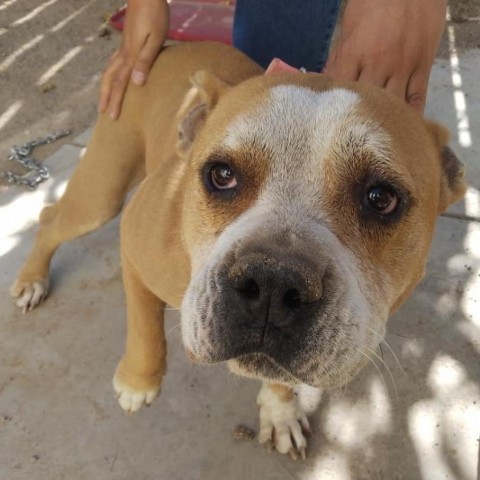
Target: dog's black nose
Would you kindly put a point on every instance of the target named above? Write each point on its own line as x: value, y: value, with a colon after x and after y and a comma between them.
x: 272, y: 289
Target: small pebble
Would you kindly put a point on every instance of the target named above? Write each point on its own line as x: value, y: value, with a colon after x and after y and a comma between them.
x: 242, y: 432
x: 104, y: 33
x: 47, y: 87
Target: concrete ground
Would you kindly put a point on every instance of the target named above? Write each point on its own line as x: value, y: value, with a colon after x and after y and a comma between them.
x: 59, y: 418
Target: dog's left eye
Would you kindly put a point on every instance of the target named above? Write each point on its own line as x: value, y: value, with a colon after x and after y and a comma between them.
x: 222, y: 177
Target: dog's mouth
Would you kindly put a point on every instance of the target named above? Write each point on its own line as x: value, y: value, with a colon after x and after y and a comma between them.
x: 307, y: 356
x: 334, y: 372
x: 258, y: 365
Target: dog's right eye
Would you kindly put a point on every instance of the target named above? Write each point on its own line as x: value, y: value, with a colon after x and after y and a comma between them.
x: 220, y: 177
x: 381, y: 199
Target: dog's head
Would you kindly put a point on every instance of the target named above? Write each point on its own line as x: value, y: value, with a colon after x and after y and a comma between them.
x: 308, y: 214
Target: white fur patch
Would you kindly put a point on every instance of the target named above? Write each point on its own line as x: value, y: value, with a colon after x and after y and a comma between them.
x: 280, y: 421
x: 292, y: 107
x: 132, y: 400
x: 28, y: 296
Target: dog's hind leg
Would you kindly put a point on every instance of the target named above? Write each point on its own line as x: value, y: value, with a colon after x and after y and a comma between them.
x: 113, y: 163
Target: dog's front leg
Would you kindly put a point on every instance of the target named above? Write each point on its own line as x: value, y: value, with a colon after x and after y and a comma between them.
x: 283, y: 423
x: 139, y: 374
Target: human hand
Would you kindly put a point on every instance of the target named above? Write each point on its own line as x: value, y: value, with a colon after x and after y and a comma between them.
x: 391, y: 44
x: 145, y: 30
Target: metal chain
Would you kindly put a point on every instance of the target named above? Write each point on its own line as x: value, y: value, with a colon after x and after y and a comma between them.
x: 21, y: 154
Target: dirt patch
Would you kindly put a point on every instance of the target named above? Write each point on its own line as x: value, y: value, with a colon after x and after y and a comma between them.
x: 465, y: 20
x: 52, y: 53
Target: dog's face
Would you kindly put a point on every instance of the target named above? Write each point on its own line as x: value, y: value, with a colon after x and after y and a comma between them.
x: 308, y: 215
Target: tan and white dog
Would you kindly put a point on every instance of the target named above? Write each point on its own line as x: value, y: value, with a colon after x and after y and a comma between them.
x: 288, y: 215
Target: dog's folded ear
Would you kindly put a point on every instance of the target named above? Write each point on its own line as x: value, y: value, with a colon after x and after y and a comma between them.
x: 197, y: 105
x: 453, y: 185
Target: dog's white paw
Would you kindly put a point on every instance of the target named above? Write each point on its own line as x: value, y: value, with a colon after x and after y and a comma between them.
x: 283, y: 424
x: 132, y: 400
x: 28, y: 295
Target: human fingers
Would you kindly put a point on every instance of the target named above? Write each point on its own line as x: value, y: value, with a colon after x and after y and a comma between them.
x: 145, y: 29
x: 373, y: 75
x: 118, y: 83
x: 416, y: 94
x: 108, y: 77
x: 145, y: 59
x: 105, y: 84
x: 397, y: 84
x: 341, y: 65
x: 125, y: 68
x: 152, y: 46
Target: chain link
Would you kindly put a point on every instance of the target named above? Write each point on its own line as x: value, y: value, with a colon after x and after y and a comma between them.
x: 21, y: 154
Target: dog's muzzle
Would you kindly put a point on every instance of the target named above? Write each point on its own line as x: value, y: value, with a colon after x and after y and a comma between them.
x: 278, y: 305
x: 267, y: 300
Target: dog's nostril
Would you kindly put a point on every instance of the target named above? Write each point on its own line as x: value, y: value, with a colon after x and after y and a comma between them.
x: 291, y: 299
x: 249, y: 289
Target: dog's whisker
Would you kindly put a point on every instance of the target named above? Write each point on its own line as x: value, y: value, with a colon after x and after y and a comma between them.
x: 402, y: 336
x: 384, y: 341
x: 395, y: 357
x: 170, y: 330
x: 375, y: 365
x: 232, y: 376
x: 344, y: 386
x: 386, y: 366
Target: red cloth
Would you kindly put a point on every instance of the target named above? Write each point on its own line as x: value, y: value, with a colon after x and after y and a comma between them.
x: 194, y: 20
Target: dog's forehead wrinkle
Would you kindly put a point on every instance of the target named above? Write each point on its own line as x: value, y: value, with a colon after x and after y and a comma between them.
x: 288, y: 115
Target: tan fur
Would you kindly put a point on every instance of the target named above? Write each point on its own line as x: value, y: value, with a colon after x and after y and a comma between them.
x: 284, y: 393
x: 162, y: 139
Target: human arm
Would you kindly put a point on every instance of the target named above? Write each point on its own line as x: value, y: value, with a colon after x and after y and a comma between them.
x: 145, y: 30
x: 391, y: 44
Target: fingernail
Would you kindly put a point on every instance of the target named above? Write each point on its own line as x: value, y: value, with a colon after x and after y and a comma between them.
x: 113, y: 115
x: 138, y: 78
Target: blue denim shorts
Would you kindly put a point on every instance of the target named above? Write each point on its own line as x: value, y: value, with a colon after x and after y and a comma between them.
x: 296, y: 31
